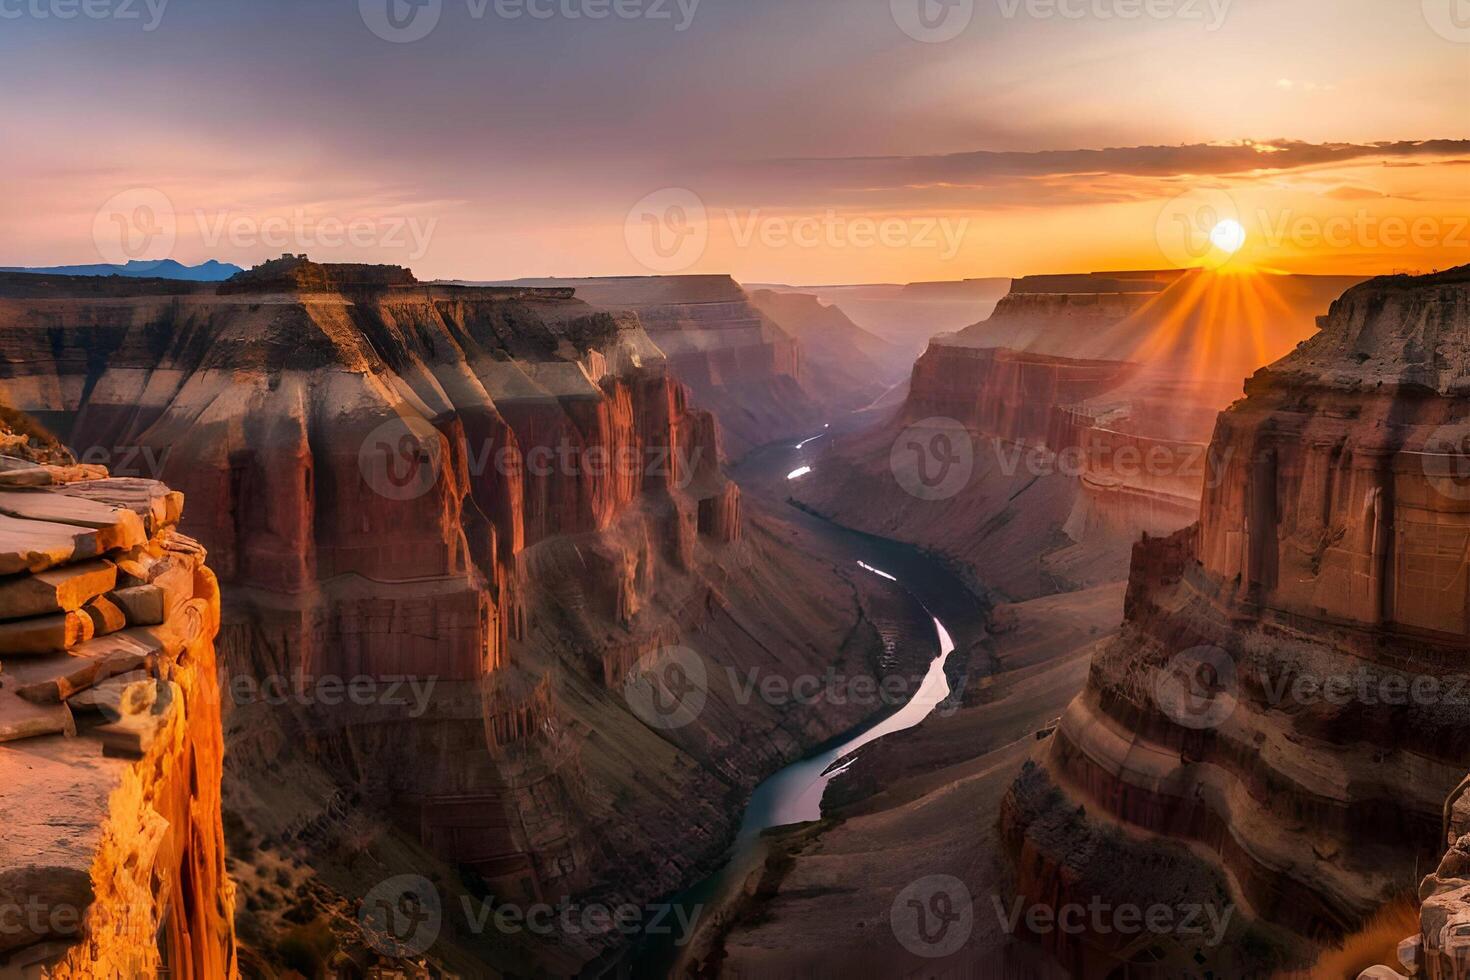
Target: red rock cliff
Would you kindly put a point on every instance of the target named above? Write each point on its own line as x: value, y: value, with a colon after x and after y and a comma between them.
x: 1283, y: 690
x: 483, y: 506
x: 113, y: 856
x: 738, y: 362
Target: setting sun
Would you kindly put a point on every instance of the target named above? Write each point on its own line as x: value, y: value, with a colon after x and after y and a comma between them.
x: 1228, y: 236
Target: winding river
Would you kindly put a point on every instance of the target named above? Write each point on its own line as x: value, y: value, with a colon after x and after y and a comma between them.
x: 793, y: 794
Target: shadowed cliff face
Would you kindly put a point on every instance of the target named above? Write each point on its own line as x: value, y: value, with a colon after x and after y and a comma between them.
x: 452, y: 526
x: 113, y: 858
x: 1285, y: 691
x: 740, y: 364
x: 845, y: 366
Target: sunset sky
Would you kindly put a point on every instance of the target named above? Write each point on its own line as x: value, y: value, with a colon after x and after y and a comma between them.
x: 800, y: 141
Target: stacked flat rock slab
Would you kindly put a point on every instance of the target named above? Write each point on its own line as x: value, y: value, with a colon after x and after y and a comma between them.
x: 91, y: 567
x: 99, y: 601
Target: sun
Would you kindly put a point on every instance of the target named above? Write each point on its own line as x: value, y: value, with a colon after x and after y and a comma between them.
x: 1228, y: 236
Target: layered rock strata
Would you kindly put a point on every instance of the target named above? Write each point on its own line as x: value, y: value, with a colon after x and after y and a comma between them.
x: 738, y: 363
x: 112, y: 862
x: 993, y: 403
x: 1285, y: 692
x: 1097, y: 391
x: 845, y: 366
x: 452, y: 522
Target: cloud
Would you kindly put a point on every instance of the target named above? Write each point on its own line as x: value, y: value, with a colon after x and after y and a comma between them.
x: 1016, y: 179
x: 1350, y: 192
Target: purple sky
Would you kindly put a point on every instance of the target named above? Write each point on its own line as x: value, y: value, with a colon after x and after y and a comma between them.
x: 503, y: 144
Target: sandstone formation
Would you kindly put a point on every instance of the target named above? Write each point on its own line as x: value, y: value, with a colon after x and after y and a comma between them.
x: 1441, y: 948
x: 112, y: 862
x: 845, y: 366
x: 1015, y: 518
x: 738, y: 363
x: 450, y: 522
x: 1088, y: 402
x: 1282, y: 695
x: 907, y: 316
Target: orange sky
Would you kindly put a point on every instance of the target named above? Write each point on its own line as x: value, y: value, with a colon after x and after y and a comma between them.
x: 803, y: 143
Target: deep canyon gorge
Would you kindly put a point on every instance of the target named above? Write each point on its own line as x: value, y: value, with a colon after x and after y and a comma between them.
x: 698, y: 490
x: 347, y: 595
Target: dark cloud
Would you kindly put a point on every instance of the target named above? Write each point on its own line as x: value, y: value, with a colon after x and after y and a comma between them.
x: 982, y: 168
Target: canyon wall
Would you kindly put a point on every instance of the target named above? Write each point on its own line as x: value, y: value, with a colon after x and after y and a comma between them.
x: 1086, y: 403
x: 1284, y: 693
x: 907, y: 316
x: 738, y: 363
x: 845, y: 366
x: 1440, y: 950
x: 113, y: 855
x: 452, y: 525
x: 1011, y: 511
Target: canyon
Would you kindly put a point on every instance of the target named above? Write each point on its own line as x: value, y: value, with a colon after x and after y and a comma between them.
x: 459, y: 531
x: 468, y: 537
x: 768, y: 367
x: 1145, y: 788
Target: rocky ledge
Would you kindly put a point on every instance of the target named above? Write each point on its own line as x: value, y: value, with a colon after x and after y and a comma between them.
x: 112, y: 857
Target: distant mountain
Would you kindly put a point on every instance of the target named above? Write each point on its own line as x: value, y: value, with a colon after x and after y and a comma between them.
x: 210, y: 271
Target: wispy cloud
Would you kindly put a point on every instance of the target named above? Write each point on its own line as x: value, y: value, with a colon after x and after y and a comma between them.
x: 994, y: 179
